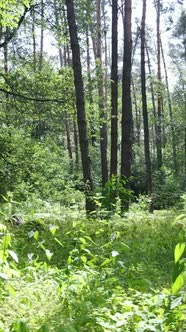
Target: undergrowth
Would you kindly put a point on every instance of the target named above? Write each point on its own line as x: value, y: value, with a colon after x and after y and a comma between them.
x: 63, y: 272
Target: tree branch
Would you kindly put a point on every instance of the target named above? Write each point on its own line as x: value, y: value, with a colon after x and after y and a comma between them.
x: 43, y: 100
x: 13, y: 32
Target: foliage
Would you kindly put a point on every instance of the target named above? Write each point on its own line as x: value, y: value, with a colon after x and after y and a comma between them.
x: 95, y: 275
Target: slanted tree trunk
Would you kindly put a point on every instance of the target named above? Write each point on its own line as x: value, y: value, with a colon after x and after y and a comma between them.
x: 114, y: 91
x: 170, y: 112
x: 103, y: 123
x: 144, y: 103
x: 80, y: 105
x: 126, y: 143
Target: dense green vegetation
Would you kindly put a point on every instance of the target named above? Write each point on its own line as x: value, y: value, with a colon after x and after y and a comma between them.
x: 63, y: 272
x: 92, y: 166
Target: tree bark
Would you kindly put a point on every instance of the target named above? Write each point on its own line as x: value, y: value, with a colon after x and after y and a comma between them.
x: 114, y: 91
x: 80, y: 105
x: 103, y: 123
x: 159, y: 95
x: 126, y: 144
x: 153, y: 100
x: 41, y: 36
x: 174, y: 154
x: 144, y: 103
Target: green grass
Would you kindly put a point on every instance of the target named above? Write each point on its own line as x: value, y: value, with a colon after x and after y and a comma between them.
x: 76, y: 274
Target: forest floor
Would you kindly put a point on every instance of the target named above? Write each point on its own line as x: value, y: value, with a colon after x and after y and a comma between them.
x: 63, y: 272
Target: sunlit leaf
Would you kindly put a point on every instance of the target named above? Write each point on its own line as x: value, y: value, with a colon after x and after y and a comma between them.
x: 178, y: 252
x: 13, y: 255
x: 176, y: 302
x: 179, y: 282
x: 106, y: 262
x: 84, y: 259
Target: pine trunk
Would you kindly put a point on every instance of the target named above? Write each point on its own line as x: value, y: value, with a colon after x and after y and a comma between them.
x: 103, y: 123
x: 114, y: 91
x: 80, y: 105
x: 144, y: 103
x: 126, y: 144
x: 159, y: 95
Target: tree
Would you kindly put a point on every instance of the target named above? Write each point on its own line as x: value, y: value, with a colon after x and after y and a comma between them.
x: 126, y: 143
x: 144, y: 103
x: 80, y: 105
x: 103, y: 122
x: 114, y: 91
x: 159, y: 95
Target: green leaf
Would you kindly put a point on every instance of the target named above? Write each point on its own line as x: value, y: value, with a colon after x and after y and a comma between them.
x: 69, y: 260
x: 19, y: 326
x: 84, y: 259
x: 59, y: 242
x: 180, y: 217
x: 13, y: 255
x: 53, y: 229
x: 178, y: 252
x: 179, y: 282
x: 176, y: 302
x: 36, y: 234
x: 3, y: 275
x: 106, y: 262
x: 83, y: 240
x: 49, y: 254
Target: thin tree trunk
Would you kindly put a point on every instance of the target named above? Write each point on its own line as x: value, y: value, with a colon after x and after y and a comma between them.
x: 144, y: 103
x: 137, y: 115
x: 76, y: 144
x: 114, y: 91
x: 90, y: 90
x: 58, y: 41
x: 67, y: 122
x: 80, y: 105
x: 153, y: 99
x: 159, y: 96
x: 126, y: 144
x: 41, y: 36
x: 170, y: 112
x: 33, y: 38
x: 6, y: 56
x: 103, y: 123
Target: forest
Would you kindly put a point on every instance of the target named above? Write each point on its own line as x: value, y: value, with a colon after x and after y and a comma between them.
x: 92, y: 166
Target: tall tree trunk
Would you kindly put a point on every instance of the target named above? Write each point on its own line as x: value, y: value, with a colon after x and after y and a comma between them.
x: 58, y: 35
x: 60, y: 21
x: 126, y: 143
x: 137, y: 130
x: 76, y: 143
x: 170, y: 112
x: 80, y: 105
x: 153, y: 100
x: 114, y: 91
x: 6, y: 55
x: 144, y: 103
x: 159, y: 96
x: 103, y: 123
x: 90, y: 88
x: 41, y: 36
x: 33, y: 38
